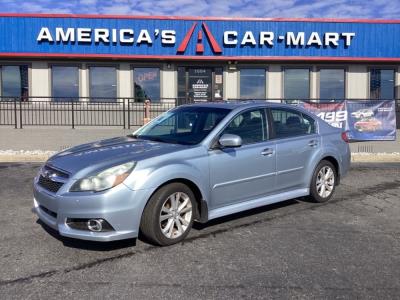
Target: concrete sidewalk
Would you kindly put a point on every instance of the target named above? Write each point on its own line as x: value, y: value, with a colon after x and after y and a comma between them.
x: 38, y: 143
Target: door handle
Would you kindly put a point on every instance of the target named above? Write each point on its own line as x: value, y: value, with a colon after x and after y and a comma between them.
x: 267, y: 152
x: 312, y: 143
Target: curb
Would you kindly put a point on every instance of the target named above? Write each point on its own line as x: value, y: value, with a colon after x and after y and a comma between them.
x: 375, y: 157
x: 41, y: 156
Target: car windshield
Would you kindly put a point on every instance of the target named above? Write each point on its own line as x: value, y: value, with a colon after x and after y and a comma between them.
x: 187, y: 125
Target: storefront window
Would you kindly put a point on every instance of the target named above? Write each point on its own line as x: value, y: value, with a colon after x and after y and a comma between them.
x: 14, y: 81
x: 331, y: 84
x: 297, y: 84
x: 381, y: 85
x: 103, y: 84
x: 65, y: 83
x: 252, y: 83
x: 147, y: 84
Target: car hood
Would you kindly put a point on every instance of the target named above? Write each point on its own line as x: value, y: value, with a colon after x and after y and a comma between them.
x: 106, y: 153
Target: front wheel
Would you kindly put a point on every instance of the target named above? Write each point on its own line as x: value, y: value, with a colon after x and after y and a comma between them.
x: 323, y: 182
x: 168, y: 216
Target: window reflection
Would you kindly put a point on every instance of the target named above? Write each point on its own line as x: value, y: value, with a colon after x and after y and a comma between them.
x: 331, y: 84
x: 381, y: 84
x: 65, y: 83
x: 103, y: 84
x: 252, y: 83
x: 14, y: 81
x: 297, y: 83
x: 288, y: 123
x: 147, y: 84
x: 250, y: 126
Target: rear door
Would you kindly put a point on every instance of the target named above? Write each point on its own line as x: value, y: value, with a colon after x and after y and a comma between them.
x: 246, y: 172
x: 296, y: 143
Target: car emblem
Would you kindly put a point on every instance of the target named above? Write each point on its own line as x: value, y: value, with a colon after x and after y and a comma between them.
x: 48, y: 174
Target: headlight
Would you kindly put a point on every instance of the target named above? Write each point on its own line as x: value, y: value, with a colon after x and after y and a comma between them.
x: 104, y: 180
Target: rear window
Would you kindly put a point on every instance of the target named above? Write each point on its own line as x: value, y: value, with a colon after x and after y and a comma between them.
x: 290, y: 123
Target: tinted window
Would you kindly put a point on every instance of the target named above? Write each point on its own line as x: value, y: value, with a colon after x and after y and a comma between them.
x: 103, y: 83
x: 65, y: 82
x: 381, y: 84
x: 331, y: 84
x: 297, y: 84
x: 250, y: 126
x: 184, y: 125
x: 252, y: 83
x: 288, y: 123
x: 147, y: 84
x: 14, y: 81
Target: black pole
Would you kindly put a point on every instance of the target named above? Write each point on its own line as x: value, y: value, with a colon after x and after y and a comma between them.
x: 123, y: 111
x: 129, y: 114
x: 72, y: 116
x: 15, y: 113
x: 20, y: 112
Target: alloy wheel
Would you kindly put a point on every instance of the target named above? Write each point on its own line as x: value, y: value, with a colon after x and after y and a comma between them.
x: 325, y: 181
x: 175, y: 215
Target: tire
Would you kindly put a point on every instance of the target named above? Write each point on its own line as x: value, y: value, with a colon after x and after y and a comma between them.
x: 162, y: 223
x: 323, y: 191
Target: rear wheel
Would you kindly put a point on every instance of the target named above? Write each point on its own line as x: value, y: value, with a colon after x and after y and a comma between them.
x: 323, y: 182
x: 168, y: 217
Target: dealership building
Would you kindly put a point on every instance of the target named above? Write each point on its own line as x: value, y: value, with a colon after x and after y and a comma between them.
x: 102, y: 58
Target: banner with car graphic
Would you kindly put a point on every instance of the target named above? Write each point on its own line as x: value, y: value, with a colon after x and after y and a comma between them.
x: 366, y: 120
x: 371, y: 120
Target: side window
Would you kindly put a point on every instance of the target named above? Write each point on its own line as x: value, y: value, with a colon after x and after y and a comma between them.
x: 250, y: 126
x: 213, y: 120
x: 289, y: 123
x: 309, y: 124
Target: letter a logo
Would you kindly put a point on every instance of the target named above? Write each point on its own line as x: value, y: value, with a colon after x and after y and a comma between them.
x: 199, y: 46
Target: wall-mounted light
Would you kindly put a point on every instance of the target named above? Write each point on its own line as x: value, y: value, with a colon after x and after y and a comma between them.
x: 232, y: 65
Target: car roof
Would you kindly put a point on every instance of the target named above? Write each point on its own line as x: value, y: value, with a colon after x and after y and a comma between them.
x: 236, y: 104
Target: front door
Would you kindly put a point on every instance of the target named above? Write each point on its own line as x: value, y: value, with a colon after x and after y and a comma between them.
x: 199, y: 84
x: 247, y: 172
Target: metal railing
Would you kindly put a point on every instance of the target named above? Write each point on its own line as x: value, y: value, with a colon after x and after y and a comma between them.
x: 79, y: 112
x: 74, y: 112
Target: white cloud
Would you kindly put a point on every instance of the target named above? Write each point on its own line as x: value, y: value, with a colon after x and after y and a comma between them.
x: 389, y: 9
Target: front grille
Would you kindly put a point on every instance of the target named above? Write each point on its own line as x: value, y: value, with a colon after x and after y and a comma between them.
x: 52, y: 186
x: 48, y: 211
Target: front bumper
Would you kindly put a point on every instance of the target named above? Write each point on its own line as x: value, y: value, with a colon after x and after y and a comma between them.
x: 120, y: 206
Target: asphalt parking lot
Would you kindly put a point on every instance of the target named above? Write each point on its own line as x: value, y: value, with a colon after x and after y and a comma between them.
x: 347, y: 248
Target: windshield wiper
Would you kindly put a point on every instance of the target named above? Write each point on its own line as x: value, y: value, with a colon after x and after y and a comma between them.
x: 134, y: 136
x: 155, y: 139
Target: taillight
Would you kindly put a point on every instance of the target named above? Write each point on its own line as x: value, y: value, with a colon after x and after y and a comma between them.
x: 345, y: 136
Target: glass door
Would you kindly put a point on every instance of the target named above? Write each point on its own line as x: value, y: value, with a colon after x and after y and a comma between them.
x: 199, y: 84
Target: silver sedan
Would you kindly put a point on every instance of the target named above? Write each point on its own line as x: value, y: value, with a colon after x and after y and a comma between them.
x: 193, y: 163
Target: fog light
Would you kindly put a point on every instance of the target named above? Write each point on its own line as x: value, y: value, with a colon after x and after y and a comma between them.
x: 95, y: 225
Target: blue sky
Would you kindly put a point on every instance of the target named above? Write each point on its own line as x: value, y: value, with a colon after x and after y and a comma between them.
x: 374, y: 9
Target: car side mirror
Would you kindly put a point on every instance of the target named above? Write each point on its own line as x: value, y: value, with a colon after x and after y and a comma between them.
x: 230, y: 141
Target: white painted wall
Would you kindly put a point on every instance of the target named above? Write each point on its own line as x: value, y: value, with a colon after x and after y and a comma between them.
x: 124, y: 81
x: 169, y: 85
x: 84, y: 79
x: 40, y: 79
x: 274, y: 81
x: 357, y: 82
x: 231, y: 79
